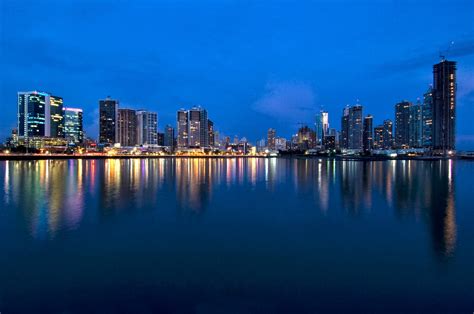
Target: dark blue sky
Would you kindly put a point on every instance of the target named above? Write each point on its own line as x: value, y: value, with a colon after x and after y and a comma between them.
x: 252, y: 64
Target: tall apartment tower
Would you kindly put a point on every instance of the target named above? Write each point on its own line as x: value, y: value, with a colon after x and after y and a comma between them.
x: 368, y: 137
x: 147, y: 128
x: 210, y: 133
x: 416, y: 125
x: 378, y: 137
x: 182, y: 128
x: 427, y: 116
x: 127, y: 127
x: 387, y: 134
x: 40, y: 115
x: 169, y: 137
x: 344, y: 136
x: 321, y: 126
x: 355, y: 127
x: 108, y: 124
x: 444, y: 106
x: 198, y: 129
x: 73, y: 125
x: 402, y: 124
x: 271, y: 135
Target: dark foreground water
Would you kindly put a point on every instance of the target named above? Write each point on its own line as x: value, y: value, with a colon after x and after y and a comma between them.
x: 237, y: 235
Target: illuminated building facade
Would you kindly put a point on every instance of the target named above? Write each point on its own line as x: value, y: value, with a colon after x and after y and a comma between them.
x: 355, y: 127
x: 402, y: 124
x: 427, y: 116
x: 73, y: 125
x: 368, y: 133
x: 40, y: 115
x: 444, y: 106
x: 271, y: 135
x: 182, y: 126
x: 127, y: 127
x: 147, y: 127
x: 56, y: 116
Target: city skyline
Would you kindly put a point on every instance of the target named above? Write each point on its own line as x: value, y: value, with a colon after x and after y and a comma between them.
x: 428, y: 125
x: 241, y: 90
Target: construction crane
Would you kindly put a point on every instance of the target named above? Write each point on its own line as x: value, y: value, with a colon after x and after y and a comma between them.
x: 443, y: 54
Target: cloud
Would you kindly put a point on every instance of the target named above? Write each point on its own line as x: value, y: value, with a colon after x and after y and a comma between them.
x: 422, y: 58
x: 289, y: 101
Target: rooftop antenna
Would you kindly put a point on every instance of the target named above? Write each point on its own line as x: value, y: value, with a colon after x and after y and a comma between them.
x: 442, y: 54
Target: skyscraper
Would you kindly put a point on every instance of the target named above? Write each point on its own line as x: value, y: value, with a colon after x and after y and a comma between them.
x: 127, y: 127
x: 56, y: 114
x: 402, y: 124
x: 108, y: 114
x: 271, y: 135
x: 40, y: 115
x: 321, y: 126
x: 378, y: 137
x: 33, y: 114
x: 416, y: 126
x: 387, y: 134
x: 210, y: 132
x: 368, y: 134
x: 427, y: 113
x: 306, y: 138
x: 344, y: 136
x: 198, y: 128
x: 147, y: 128
x: 355, y: 127
x: 169, y: 137
x: 182, y: 126
x: 73, y: 127
x: 444, y: 106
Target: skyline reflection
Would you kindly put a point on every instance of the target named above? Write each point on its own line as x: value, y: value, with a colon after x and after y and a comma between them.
x: 54, y: 195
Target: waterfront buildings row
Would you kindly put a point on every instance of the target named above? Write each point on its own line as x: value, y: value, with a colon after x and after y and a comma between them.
x: 43, y: 115
x: 428, y: 125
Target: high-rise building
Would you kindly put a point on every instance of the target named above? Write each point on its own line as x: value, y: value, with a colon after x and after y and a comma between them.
x: 344, y: 136
x: 198, y: 128
x: 368, y: 134
x: 387, y: 134
x: 73, y: 125
x: 444, y: 106
x: 355, y: 127
x: 306, y: 138
x: 329, y: 141
x: 40, y: 115
x: 321, y: 126
x: 160, y: 139
x: 271, y: 135
x: 108, y: 125
x: 147, y: 128
x: 57, y: 118
x: 169, y: 137
x: 281, y: 144
x: 378, y: 137
x: 416, y: 126
x: 427, y: 113
x: 182, y: 127
x: 402, y: 124
x: 127, y: 127
x: 210, y: 132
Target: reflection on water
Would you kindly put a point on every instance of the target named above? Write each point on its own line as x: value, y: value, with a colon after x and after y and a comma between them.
x: 54, y: 195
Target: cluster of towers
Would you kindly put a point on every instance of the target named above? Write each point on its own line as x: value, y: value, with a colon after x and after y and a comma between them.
x: 43, y: 115
x: 428, y: 125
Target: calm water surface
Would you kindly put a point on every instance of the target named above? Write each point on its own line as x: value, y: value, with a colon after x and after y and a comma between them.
x: 236, y: 235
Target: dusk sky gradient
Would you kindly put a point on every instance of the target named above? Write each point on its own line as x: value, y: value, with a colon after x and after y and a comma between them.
x: 251, y: 64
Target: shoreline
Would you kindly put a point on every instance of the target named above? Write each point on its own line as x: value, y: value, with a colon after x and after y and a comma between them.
x: 19, y: 157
